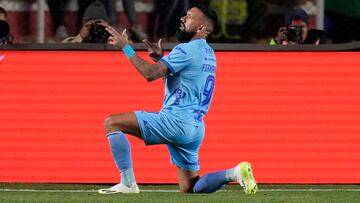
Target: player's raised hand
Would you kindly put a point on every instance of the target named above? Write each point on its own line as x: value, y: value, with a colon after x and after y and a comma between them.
x: 155, y: 51
x: 116, y: 39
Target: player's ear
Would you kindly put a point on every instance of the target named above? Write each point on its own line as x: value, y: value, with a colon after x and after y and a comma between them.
x: 203, y: 30
x: 201, y: 27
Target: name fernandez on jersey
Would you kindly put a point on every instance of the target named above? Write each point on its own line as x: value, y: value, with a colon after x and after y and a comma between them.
x: 209, y: 68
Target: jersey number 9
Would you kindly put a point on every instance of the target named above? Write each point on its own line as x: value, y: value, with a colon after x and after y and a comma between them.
x: 208, y: 90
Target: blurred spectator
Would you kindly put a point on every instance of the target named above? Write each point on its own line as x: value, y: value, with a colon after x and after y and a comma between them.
x: 297, y: 30
x: 94, y: 21
x: 57, y: 8
x: 274, y: 15
x: 5, y: 36
x: 232, y: 15
x: 110, y: 6
x: 343, y: 20
x: 240, y: 20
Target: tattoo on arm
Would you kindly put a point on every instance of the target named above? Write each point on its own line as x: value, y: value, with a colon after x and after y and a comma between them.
x: 149, y: 71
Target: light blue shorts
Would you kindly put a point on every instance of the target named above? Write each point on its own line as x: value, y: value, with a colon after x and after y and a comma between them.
x: 183, y: 140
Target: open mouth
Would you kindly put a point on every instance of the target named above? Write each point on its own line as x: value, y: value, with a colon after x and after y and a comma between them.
x: 182, y: 26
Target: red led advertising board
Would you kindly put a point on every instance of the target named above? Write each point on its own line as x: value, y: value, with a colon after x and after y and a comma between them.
x: 294, y: 116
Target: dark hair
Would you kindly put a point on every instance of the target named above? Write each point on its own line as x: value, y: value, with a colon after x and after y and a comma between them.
x: 2, y: 10
x: 208, y: 12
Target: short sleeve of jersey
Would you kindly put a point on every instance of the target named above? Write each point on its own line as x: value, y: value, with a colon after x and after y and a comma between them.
x: 179, y: 58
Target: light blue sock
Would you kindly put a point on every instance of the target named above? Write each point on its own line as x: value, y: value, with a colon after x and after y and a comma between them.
x: 212, y: 182
x: 230, y: 176
x: 128, y: 177
x: 121, y: 152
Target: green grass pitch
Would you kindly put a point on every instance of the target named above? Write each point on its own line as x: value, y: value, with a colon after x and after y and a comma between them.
x: 10, y: 192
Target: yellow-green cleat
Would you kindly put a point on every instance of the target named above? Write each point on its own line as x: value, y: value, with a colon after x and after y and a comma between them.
x: 245, y: 177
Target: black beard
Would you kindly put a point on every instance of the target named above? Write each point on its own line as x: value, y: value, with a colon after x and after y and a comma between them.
x: 184, y: 36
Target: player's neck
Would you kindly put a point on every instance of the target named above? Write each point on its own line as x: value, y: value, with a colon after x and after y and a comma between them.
x: 198, y: 37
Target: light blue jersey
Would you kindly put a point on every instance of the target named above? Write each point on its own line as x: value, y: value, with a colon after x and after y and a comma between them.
x: 190, y: 85
x: 188, y: 93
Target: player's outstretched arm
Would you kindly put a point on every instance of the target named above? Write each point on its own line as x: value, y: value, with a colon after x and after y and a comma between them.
x: 149, y: 71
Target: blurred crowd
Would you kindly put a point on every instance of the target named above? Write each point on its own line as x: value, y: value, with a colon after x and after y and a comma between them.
x: 241, y: 21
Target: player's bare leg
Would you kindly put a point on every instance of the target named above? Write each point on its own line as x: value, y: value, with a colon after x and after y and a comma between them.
x: 125, y: 122
x: 187, y: 180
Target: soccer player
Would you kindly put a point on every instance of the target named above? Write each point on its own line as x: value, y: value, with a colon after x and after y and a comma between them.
x: 189, y: 74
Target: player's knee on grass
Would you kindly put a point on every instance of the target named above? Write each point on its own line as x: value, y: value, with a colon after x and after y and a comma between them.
x: 186, y: 189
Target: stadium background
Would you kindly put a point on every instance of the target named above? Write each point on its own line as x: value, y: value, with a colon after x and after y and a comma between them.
x: 294, y: 115
x: 244, y: 23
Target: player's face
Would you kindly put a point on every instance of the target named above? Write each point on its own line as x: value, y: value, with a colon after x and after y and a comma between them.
x: 191, y: 21
x: 189, y: 25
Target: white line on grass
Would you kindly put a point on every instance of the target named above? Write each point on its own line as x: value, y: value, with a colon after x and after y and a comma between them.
x: 173, y: 191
